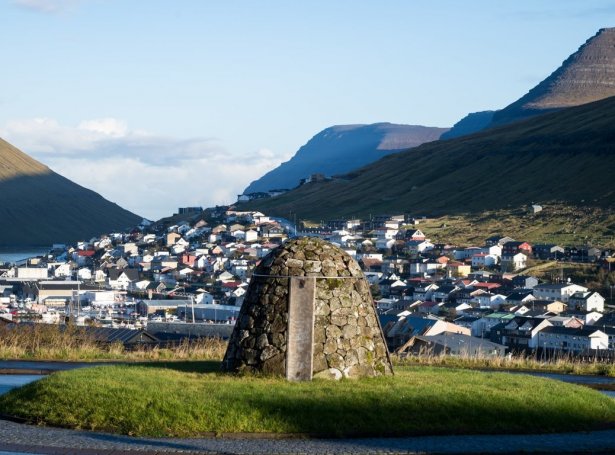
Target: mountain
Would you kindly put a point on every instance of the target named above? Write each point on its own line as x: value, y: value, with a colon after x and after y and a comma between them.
x: 587, y: 75
x: 340, y: 149
x: 40, y: 207
x: 568, y: 156
x: 471, y: 123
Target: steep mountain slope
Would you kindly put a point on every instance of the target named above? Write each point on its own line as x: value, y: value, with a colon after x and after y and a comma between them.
x: 471, y: 123
x: 340, y: 149
x: 40, y: 207
x: 587, y: 75
x: 567, y: 156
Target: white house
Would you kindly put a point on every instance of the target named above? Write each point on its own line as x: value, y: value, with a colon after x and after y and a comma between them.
x: 572, y: 340
x: 63, y: 270
x: 557, y: 291
x: 514, y: 262
x: 251, y: 235
x: 481, y: 260
x: 586, y: 301
x: 466, y: 253
x: 418, y: 246
x: 84, y: 274
x: 384, y: 244
x: 495, y: 250
x: 489, y: 300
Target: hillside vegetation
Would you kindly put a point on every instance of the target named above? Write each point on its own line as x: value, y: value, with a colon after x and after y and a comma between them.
x: 40, y: 207
x: 565, y: 156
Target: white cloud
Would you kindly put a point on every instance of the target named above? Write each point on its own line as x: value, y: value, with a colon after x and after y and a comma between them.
x: 148, y: 174
x: 46, y: 6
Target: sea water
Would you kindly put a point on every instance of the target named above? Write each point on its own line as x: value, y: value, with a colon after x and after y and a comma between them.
x: 16, y: 254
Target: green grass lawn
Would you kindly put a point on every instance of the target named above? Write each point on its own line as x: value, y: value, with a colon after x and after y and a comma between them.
x: 192, y: 398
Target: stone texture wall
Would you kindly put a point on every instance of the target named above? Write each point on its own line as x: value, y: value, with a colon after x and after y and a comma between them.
x: 348, y: 341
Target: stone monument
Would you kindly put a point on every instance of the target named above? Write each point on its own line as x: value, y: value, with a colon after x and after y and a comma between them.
x: 308, y: 312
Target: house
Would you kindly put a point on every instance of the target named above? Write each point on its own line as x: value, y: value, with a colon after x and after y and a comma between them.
x: 456, y: 344
x: 588, y: 317
x: 482, y: 260
x: 566, y: 321
x: 443, y: 292
x: 482, y: 326
x: 522, y: 297
x: 520, y: 333
x: 572, y: 340
x: 547, y: 306
x: 458, y: 269
x: 466, y: 253
x: 557, y: 291
x: 586, y: 301
x: 548, y: 251
x: 424, y: 290
x: 251, y: 235
x: 524, y: 281
x: 123, y: 278
x: 513, y: 262
x: 411, y: 234
x: 498, y: 240
x: 172, y: 238
x: 57, y: 293
x: 400, y: 331
x: 147, y: 307
x: 512, y: 248
x: 489, y: 300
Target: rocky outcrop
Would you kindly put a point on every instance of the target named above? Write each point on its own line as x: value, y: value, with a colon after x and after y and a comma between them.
x: 347, y: 338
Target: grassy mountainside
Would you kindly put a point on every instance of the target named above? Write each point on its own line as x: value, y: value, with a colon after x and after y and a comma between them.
x: 567, y: 156
x: 40, y: 207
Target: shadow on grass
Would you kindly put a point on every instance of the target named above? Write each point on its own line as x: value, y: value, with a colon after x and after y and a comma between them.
x: 185, y: 366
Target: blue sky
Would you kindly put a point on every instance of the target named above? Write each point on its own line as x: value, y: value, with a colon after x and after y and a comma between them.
x: 159, y: 104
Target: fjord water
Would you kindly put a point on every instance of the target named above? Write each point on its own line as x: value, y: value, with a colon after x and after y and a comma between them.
x: 15, y: 254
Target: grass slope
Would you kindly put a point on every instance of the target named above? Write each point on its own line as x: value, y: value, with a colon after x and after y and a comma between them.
x: 40, y: 207
x: 566, y: 156
x: 166, y: 402
x: 557, y: 223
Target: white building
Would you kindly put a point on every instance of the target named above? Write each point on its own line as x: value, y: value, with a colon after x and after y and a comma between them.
x: 586, y: 301
x: 572, y: 340
x: 557, y: 291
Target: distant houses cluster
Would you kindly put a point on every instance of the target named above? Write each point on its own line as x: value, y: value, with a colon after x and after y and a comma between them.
x: 429, y: 295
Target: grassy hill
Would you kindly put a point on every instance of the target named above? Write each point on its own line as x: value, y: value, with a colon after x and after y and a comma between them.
x: 40, y: 207
x: 566, y: 156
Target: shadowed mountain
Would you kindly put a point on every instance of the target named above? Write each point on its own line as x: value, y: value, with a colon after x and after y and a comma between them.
x: 471, y: 123
x: 40, y: 207
x: 342, y: 148
x: 567, y: 156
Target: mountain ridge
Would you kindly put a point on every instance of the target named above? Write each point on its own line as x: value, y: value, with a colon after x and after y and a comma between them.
x: 586, y: 75
x: 566, y: 155
x: 341, y: 148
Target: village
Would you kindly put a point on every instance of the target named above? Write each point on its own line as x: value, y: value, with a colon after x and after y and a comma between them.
x: 168, y: 282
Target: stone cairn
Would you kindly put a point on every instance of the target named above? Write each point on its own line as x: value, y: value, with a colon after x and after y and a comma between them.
x: 308, y: 312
